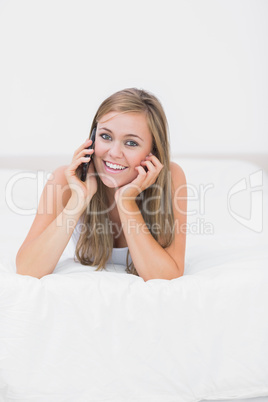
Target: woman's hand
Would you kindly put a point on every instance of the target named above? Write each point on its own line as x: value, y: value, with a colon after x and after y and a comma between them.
x: 144, y: 179
x: 83, y: 190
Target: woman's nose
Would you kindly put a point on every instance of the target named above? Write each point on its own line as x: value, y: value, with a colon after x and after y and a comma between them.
x: 115, y: 150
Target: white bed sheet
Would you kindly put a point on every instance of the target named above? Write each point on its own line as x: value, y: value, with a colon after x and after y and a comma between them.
x: 80, y: 335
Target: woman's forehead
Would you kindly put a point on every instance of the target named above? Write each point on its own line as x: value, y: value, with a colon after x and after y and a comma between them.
x: 122, y: 116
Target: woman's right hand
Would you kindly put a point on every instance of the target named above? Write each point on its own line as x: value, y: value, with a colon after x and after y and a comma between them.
x: 83, y: 190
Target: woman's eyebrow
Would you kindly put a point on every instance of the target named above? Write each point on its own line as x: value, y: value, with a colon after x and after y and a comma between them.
x: 127, y: 135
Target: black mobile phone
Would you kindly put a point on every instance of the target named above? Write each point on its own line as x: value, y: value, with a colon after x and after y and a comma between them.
x: 85, y: 166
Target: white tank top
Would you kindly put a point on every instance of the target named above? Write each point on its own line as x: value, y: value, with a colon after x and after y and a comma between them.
x: 119, y: 255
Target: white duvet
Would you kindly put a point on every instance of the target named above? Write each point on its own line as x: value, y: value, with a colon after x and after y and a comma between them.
x: 80, y: 335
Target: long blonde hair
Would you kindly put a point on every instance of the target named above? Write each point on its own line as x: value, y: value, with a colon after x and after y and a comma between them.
x: 95, y: 246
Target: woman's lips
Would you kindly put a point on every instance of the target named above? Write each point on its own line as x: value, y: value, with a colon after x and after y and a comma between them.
x: 110, y: 170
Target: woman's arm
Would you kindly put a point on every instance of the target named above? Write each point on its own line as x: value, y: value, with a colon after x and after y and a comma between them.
x: 150, y: 259
x: 50, y: 231
x: 62, y: 202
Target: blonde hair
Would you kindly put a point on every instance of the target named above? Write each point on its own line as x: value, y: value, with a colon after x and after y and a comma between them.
x: 94, y: 247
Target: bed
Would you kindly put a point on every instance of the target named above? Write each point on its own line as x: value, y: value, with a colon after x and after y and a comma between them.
x: 83, y: 336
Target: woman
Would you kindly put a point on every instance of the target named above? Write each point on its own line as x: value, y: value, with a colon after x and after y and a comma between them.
x: 133, y: 198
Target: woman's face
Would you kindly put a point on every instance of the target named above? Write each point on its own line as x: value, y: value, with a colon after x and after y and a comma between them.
x: 123, y: 140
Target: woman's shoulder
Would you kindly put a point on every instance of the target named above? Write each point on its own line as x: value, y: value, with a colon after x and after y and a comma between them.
x: 58, y: 180
x: 177, y: 174
x: 58, y: 175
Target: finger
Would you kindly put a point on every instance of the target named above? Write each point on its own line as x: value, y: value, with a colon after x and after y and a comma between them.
x: 141, y: 170
x: 152, y: 169
x: 149, y: 165
x: 74, y: 165
x: 85, y: 152
x: 86, y: 144
x: 155, y: 161
x: 153, y: 158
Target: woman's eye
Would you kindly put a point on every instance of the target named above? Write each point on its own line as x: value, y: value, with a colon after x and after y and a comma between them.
x: 132, y: 143
x: 105, y: 136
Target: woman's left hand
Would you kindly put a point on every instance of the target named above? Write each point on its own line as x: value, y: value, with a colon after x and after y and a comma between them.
x: 144, y: 179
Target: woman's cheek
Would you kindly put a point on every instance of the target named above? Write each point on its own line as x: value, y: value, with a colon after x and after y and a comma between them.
x: 97, y: 148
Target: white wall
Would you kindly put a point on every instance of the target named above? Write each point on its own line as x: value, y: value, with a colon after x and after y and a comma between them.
x: 206, y: 60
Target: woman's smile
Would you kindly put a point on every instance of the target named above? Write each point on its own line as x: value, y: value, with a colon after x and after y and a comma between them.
x: 113, y: 167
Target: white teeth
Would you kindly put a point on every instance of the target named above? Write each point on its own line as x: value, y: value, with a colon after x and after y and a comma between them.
x: 112, y: 166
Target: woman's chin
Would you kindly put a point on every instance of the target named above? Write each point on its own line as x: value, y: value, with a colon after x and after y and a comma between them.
x: 110, y: 181
x: 116, y: 180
